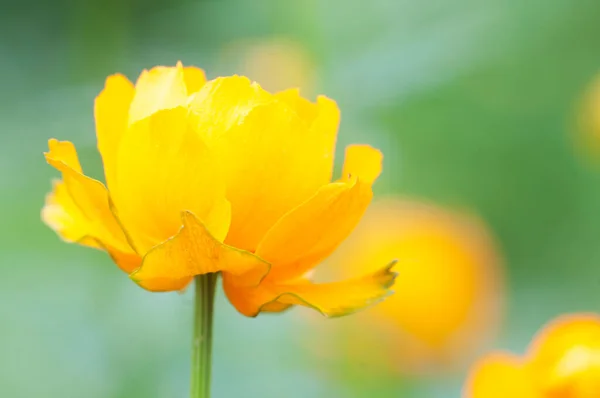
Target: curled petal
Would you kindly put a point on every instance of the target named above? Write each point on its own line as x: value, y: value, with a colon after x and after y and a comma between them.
x: 62, y: 215
x: 63, y: 157
x: 331, y: 299
x: 78, y: 209
x: 308, y: 234
x: 84, y: 199
x: 275, y: 307
x: 111, y: 112
x: 194, y: 251
x: 128, y: 262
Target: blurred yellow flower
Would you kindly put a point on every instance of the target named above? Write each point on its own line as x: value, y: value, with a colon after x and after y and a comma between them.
x: 218, y: 176
x: 500, y: 375
x: 563, y: 361
x: 447, y: 296
x: 277, y: 63
x: 589, y: 121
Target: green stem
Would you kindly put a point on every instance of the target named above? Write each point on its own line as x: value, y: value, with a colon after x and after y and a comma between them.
x: 202, y: 343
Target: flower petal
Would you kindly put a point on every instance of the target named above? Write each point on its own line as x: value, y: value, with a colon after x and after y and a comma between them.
x: 194, y: 251
x: 499, y: 375
x: 303, y: 107
x: 62, y: 215
x: 331, y: 299
x: 564, y: 357
x: 128, y: 262
x: 78, y: 209
x: 165, y: 284
x: 161, y: 87
x: 273, y: 160
x: 275, y: 307
x: 309, y: 233
x: 362, y: 162
x: 323, y: 119
x: 194, y: 78
x: 111, y: 111
x: 165, y: 168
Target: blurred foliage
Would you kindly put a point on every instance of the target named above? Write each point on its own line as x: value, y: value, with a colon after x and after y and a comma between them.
x: 473, y: 103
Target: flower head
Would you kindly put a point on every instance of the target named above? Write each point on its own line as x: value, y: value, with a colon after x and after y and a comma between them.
x: 218, y: 176
x: 563, y: 361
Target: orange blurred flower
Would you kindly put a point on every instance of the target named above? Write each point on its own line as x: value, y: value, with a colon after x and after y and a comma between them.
x: 563, y: 361
x: 218, y: 176
x: 447, y: 296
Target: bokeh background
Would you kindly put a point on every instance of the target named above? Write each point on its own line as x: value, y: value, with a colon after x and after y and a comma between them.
x: 475, y: 105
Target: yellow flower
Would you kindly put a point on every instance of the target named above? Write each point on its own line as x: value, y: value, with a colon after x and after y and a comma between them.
x: 447, y: 299
x: 563, y: 361
x: 218, y: 176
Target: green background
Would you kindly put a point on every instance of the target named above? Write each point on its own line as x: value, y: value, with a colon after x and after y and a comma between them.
x: 474, y: 103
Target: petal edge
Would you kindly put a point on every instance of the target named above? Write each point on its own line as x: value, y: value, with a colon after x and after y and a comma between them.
x: 194, y: 251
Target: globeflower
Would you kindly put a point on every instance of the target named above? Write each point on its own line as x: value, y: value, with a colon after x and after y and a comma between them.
x: 220, y: 176
x: 563, y: 361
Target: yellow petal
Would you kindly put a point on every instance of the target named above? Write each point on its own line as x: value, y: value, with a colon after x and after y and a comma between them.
x: 331, y: 299
x: 128, y: 262
x: 194, y: 79
x: 63, y: 157
x: 273, y: 160
x: 159, y: 88
x: 194, y: 251
x: 309, y: 233
x: 269, y: 174
x: 164, y: 169
x: 303, y: 107
x: 565, y: 356
x: 165, y: 284
x: 323, y: 120
x: 324, y: 115
x: 223, y: 103
x: 499, y: 375
x: 78, y: 209
x: 363, y: 162
x: 111, y: 111
x: 61, y: 214
x: 275, y: 307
